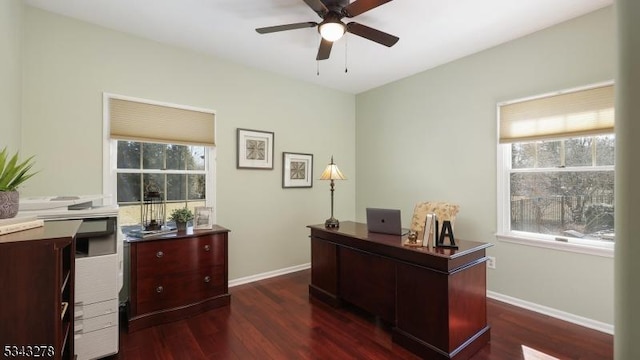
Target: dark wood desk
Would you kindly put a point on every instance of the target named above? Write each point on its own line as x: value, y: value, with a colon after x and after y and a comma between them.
x: 435, y: 298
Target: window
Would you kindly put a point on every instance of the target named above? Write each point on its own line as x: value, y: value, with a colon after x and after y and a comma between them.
x: 178, y: 171
x: 156, y: 146
x: 556, y: 187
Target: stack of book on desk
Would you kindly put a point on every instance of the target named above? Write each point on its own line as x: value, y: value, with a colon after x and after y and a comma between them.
x: 143, y: 234
x: 8, y: 226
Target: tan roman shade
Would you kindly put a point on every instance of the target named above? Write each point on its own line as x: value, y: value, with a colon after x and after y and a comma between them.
x: 570, y: 114
x: 132, y: 120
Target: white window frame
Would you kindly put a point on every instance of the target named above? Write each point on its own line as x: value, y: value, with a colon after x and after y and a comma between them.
x: 110, y: 153
x: 575, y: 245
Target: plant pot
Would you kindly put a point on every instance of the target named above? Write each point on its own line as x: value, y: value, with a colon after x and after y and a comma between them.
x: 9, y: 204
x: 181, y: 226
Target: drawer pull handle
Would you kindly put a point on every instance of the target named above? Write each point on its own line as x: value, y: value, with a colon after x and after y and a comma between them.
x: 159, y: 254
x: 159, y: 289
x: 207, y: 248
x: 207, y: 279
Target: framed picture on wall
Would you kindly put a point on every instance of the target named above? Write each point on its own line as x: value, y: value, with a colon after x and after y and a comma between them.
x: 255, y: 149
x: 297, y: 170
x: 203, y: 218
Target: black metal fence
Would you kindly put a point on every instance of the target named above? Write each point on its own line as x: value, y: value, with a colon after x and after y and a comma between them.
x: 552, y: 215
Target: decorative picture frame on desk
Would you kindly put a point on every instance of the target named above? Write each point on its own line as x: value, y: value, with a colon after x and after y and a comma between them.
x: 203, y: 218
x: 297, y: 170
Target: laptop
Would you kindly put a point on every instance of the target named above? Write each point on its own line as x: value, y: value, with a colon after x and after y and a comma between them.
x: 385, y: 221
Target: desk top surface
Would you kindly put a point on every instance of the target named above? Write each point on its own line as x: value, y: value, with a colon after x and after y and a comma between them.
x: 359, y: 231
x: 50, y: 230
x: 189, y: 233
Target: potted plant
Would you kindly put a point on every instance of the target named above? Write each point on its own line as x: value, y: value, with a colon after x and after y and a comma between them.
x: 12, y: 174
x: 181, y: 216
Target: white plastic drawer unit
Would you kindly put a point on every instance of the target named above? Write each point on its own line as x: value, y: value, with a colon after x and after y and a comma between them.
x: 97, y: 310
x: 96, y: 306
x: 96, y: 344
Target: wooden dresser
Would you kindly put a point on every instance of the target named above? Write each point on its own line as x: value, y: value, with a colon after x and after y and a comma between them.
x: 37, y: 297
x: 178, y: 275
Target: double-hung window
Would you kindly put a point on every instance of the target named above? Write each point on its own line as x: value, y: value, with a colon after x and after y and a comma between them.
x: 556, y: 170
x: 159, y: 147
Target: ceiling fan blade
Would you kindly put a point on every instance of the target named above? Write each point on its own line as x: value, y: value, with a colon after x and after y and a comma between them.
x: 359, y: 6
x: 270, y: 29
x: 372, y: 34
x: 317, y: 6
x: 324, y: 50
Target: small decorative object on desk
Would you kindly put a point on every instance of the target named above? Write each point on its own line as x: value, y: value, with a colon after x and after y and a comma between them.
x: 447, y: 232
x: 153, y: 207
x: 429, y: 228
x: 181, y: 216
x: 203, y: 218
x: 412, y: 239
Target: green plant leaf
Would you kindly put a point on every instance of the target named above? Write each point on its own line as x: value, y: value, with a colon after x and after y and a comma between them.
x: 13, y: 173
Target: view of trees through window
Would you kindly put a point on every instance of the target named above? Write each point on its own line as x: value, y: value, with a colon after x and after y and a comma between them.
x: 177, y: 171
x: 564, y: 187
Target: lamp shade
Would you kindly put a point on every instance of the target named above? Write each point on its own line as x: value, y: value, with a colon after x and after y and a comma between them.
x: 331, y: 29
x: 331, y: 172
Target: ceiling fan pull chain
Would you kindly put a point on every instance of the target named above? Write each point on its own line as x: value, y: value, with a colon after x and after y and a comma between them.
x: 346, y: 38
x: 318, y: 67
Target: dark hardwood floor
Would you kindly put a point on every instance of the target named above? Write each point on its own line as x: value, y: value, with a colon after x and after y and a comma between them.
x: 274, y: 319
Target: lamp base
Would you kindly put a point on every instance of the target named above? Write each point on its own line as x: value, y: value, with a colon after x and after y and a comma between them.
x: 332, y: 223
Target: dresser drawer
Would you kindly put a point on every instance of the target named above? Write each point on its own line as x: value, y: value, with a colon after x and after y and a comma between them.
x: 159, y: 292
x: 172, y: 256
x: 177, y: 275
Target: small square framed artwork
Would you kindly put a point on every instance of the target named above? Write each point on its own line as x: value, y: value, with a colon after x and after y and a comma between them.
x: 255, y: 149
x: 297, y: 170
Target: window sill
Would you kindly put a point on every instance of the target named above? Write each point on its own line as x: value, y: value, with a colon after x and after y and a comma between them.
x: 600, y: 248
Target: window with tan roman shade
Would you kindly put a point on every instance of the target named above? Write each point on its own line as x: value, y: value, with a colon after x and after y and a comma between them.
x: 567, y: 114
x: 138, y: 121
x: 556, y: 170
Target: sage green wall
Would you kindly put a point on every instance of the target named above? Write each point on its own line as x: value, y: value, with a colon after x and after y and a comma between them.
x: 68, y: 64
x: 10, y: 73
x: 432, y: 136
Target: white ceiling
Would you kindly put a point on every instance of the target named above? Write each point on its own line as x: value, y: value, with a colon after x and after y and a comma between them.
x: 431, y: 32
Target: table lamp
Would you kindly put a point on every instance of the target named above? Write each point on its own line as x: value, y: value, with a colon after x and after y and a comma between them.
x: 331, y: 172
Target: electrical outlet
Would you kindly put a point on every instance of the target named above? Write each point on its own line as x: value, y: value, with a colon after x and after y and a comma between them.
x: 491, y: 263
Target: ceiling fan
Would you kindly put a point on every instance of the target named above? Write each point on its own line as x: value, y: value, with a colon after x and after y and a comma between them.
x: 331, y: 28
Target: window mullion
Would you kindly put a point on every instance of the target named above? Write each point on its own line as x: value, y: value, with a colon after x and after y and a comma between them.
x: 594, y: 152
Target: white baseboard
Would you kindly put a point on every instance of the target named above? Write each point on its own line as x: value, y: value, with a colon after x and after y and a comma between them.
x: 267, y: 275
x: 572, y: 318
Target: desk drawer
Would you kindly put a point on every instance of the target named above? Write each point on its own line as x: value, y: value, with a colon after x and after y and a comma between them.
x: 171, y: 256
x: 163, y: 292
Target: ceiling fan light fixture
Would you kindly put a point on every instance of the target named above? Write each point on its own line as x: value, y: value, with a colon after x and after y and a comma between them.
x: 331, y: 30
